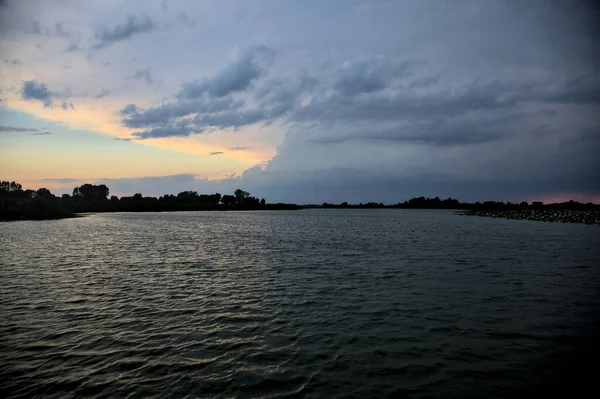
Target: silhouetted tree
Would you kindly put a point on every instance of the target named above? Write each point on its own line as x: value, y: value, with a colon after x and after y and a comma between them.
x: 16, y: 203
x: 43, y: 192
x: 241, y: 196
x: 12, y: 187
x: 228, y: 199
x: 91, y: 192
x: 187, y: 195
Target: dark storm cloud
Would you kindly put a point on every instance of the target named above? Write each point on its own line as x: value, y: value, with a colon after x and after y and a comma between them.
x: 137, y: 118
x: 134, y: 25
x: 236, y: 77
x: 210, y: 104
x: 181, y: 129
x: 581, y: 90
x: 477, y: 95
x: 439, y: 133
x: 368, y: 75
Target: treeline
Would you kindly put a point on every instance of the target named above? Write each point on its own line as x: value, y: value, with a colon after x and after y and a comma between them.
x: 19, y: 204
x: 454, y: 204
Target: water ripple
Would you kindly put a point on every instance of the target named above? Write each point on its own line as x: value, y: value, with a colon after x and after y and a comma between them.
x: 315, y: 303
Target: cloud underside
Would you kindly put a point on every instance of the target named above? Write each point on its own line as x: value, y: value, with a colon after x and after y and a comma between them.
x: 392, y: 98
x: 211, y: 103
x: 133, y: 25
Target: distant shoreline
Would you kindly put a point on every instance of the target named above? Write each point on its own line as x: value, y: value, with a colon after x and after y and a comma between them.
x: 41, y: 204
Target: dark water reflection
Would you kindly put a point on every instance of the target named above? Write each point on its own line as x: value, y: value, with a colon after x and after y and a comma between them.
x: 314, y: 303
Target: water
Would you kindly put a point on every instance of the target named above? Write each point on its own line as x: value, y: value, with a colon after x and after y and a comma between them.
x: 312, y: 303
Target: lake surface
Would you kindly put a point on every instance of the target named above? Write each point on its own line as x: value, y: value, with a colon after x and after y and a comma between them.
x: 311, y: 303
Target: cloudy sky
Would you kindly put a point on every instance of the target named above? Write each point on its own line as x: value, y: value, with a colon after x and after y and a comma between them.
x: 306, y: 101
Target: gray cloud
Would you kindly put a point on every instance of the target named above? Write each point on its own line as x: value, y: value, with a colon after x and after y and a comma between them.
x: 182, y: 128
x: 17, y: 129
x: 186, y: 20
x: 65, y: 105
x: 30, y: 130
x: 134, y: 25
x: 62, y: 180
x: 236, y: 77
x: 210, y: 104
x: 477, y: 95
x: 103, y: 93
x: 440, y: 132
x: 129, y: 109
x: 13, y: 61
x: 60, y: 30
x: 143, y: 74
x: 240, y: 148
x: 33, y: 90
x: 72, y: 48
x: 369, y: 75
x: 137, y: 118
x: 216, y: 153
x: 380, y: 90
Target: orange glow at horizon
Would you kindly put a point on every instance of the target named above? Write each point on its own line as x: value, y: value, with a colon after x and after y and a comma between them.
x: 565, y: 197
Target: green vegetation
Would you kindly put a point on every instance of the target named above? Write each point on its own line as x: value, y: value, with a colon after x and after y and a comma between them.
x: 19, y: 204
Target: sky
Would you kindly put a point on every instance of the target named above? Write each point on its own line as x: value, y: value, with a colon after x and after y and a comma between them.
x: 306, y: 102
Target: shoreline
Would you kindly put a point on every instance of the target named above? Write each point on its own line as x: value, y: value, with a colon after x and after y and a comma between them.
x: 552, y: 215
